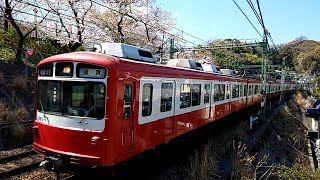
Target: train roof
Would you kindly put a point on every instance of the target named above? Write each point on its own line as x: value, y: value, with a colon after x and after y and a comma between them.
x: 105, y: 60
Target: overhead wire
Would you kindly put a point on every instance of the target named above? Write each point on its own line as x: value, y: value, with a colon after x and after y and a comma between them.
x: 247, y: 18
x: 165, y: 32
x: 145, y: 14
x: 255, y: 11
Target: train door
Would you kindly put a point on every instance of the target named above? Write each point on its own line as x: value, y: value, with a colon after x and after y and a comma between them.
x: 168, y: 104
x: 207, y: 100
x: 127, y: 116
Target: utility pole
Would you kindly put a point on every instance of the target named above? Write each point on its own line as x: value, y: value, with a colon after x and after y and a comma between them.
x: 264, y: 45
x: 282, y: 78
x: 264, y: 66
x: 173, y: 49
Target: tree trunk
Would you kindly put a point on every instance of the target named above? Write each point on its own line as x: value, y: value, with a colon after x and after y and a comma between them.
x: 6, y: 25
x: 19, y: 51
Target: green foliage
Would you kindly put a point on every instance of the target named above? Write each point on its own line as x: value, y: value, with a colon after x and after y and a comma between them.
x: 297, y: 171
x: 317, y: 90
x: 302, y: 55
x: 7, y: 55
x: 81, y: 48
x: 9, y: 38
x: 235, y: 58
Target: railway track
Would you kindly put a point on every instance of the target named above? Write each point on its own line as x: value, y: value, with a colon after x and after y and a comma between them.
x: 19, y: 163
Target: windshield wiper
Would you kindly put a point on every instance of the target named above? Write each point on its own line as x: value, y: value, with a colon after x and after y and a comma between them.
x: 88, y: 112
x: 44, y: 114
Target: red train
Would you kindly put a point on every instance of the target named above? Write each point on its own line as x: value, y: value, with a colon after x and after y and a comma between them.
x: 98, y: 109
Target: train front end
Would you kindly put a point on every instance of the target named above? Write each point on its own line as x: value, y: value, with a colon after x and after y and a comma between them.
x: 70, y: 113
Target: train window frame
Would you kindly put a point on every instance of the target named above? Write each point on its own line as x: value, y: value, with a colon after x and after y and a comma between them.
x: 166, y: 101
x: 147, y: 93
x: 206, y: 94
x: 195, y: 94
x: 184, y: 101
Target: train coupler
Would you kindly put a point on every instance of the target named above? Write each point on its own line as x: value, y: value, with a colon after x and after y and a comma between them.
x: 52, y: 163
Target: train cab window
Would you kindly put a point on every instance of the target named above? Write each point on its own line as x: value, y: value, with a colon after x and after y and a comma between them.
x: 241, y: 90
x: 196, y: 94
x: 228, y: 91
x: 166, y: 97
x: 147, y: 100
x: 206, y: 97
x: 68, y: 98
x: 127, y: 99
x: 185, y: 96
x: 235, y: 91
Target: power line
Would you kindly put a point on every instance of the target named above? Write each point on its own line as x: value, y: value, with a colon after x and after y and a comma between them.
x: 172, y: 35
x: 255, y: 11
x: 247, y: 18
x: 144, y: 15
x: 263, y: 26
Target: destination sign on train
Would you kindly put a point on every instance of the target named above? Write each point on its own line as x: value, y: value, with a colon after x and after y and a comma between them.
x: 92, y: 73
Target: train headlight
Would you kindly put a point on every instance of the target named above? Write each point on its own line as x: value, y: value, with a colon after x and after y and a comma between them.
x: 66, y: 70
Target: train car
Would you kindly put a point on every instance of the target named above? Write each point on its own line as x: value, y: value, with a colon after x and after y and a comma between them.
x: 97, y: 109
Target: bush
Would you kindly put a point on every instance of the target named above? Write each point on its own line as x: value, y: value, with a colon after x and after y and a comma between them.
x: 20, y: 85
x: 7, y: 55
x: 16, y: 131
x: 2, y: 82
x: 297, y: 171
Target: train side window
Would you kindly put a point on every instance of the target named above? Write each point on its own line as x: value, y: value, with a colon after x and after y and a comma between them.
x: 228, y: 91
x: 127, y: 100
x: 166, y: 97
x: 185, y: 96
x: 216, y: 95
x: 245, y: 90
x: 222, y: 92
x: 235, y: 91
x: 250, y: 90
x: 196, y: 94
x: 206, y: 96
x: 256, y: 89
x: 147, y: 99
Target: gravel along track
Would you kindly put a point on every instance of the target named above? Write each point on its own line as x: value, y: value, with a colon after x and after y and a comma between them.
x: 15, y: 151
x: 19, y: 164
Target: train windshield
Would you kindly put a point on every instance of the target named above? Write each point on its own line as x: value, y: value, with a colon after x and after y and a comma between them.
x: 66, y: 98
